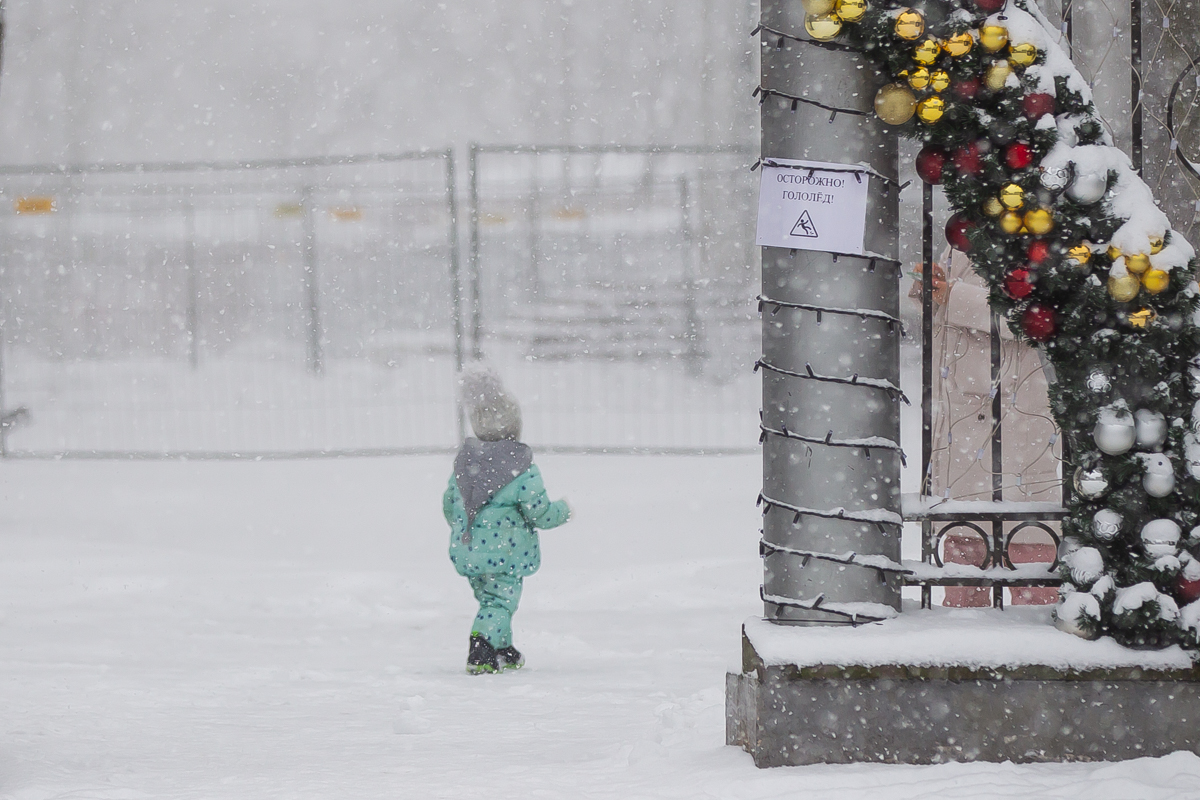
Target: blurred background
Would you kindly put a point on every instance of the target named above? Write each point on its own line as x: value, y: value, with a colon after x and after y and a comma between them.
x: 191, y: 267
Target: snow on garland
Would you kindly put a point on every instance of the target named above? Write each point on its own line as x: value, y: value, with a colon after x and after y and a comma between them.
x: 1081, y: 261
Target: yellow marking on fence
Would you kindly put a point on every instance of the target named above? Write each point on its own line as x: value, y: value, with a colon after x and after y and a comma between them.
x: 346, y: 213
x: 34, y: 205
x: 570, y: 212
x: 289, y: 210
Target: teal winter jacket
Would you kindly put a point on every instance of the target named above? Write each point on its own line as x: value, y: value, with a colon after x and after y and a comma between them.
x: 502, y: 538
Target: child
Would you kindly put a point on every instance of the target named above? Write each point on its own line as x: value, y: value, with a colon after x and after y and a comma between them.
x: 494, y: 502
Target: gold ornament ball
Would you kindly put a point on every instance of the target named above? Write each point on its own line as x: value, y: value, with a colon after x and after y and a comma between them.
x: 1156, y: 245
x: 959, y: 44
x: 822, y: 27
x: 895, y: 104
x: 993, y: 37
x: 993, y: 207
x: 930, y: 109
x: 939, y: 81
x: 1011, y: 222
x: 1012, y: 196
x: 1155, y: 280
x: 997, y: 74
x: 1022, y: 54
x: 1114, y: 252
x: 1137, y: 263
x: 1080, y: 254
x: 1039, y: 221
x: 927, y: 52
x: 851, y: 10
x: 818, y: 7
x: 1142, y: 317
x: 909, y: 24
x: 1124, y: 288
x: 918, y: 78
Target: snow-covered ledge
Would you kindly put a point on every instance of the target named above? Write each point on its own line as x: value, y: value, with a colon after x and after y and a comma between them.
x: 971, y: 638
x: 956, y: 685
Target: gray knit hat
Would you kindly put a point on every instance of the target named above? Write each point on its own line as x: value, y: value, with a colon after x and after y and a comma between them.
x: 493, y: 412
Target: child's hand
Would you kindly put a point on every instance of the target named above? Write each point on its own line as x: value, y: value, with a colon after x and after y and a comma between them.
x: 570, y: 508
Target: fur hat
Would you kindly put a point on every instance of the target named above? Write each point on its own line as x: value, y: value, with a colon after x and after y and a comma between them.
x: 493, y: 412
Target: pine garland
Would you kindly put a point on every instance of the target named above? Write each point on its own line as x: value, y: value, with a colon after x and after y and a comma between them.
x: 1081, y: 263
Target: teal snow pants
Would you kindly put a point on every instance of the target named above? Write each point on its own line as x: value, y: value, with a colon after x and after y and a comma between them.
x: 498, y: 596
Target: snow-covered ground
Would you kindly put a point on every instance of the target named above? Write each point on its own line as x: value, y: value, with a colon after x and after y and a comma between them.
x: 294, y: 629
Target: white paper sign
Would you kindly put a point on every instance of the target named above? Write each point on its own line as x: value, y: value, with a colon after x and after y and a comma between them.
x: 812, y: 208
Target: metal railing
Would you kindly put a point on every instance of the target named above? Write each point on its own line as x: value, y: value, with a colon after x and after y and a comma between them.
x: 997, y: 524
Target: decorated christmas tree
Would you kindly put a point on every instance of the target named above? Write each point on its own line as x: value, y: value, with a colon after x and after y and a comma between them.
x: 1083, y: 263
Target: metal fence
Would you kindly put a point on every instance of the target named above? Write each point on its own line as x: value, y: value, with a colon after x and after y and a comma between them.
x: 615, y: 287
x: 315, y: 306
x: 229, y: 308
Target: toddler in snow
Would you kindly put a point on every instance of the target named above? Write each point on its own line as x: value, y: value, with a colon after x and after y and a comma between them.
x: 494, y: 504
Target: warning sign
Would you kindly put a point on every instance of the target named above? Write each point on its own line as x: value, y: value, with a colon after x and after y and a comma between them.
x: 805, y: 227
x: 812, y: 205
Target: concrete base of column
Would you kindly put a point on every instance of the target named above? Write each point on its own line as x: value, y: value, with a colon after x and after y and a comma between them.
x: 789, y: 714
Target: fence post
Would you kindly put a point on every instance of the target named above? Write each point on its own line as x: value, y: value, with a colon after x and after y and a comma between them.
x: 476, y: 281
x: 193, y: 285
x: 691, y: 319
x: 312, y: 285
x: 455, y: 287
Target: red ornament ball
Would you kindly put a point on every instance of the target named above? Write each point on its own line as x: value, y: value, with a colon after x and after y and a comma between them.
x: 1018, y: 284
x: 1039, y: 322
x: 966, y: 160
x: 1038, y: 251
x: 1018, y: 155
x: 930, y: 163
x: 1187, y: 590
x: 1037, y: 105
x: 989, y: 6
x: 957, y: 228
x: 967, y: 88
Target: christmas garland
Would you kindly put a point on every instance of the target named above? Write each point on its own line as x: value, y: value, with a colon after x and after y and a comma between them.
x: 1081, y: 261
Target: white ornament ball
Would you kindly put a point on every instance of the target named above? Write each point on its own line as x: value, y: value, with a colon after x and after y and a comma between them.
x: 1106, y: 525
x: 1073, y: 610
x: 1115, y: 432
x: 1160, y: 537
x: 1159, y: 480
x: 1087, y: 188
x: 1090, y: 482
x: 1086, y: 565
x: 1056, y: 178
x: 1099, y: 382
x: 1068, y: 545
x: 1191, y: 454
x: 1150, y: 428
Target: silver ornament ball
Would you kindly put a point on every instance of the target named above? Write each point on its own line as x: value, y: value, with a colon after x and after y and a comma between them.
x: 1160, y: 537
x: 1106, y: 524
x: 1099, y: 381
x: 1150, y: 429
x: 1087, y: 189
x: 1090, y: 482
x: 1159, y: 478
x: 1115, y: 435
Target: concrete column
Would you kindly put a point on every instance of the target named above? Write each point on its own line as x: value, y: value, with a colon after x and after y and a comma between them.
x: 817, y: 476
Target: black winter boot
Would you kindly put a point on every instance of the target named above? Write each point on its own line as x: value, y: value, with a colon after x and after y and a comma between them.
x: 510, y: 658
x: 482, y: 656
